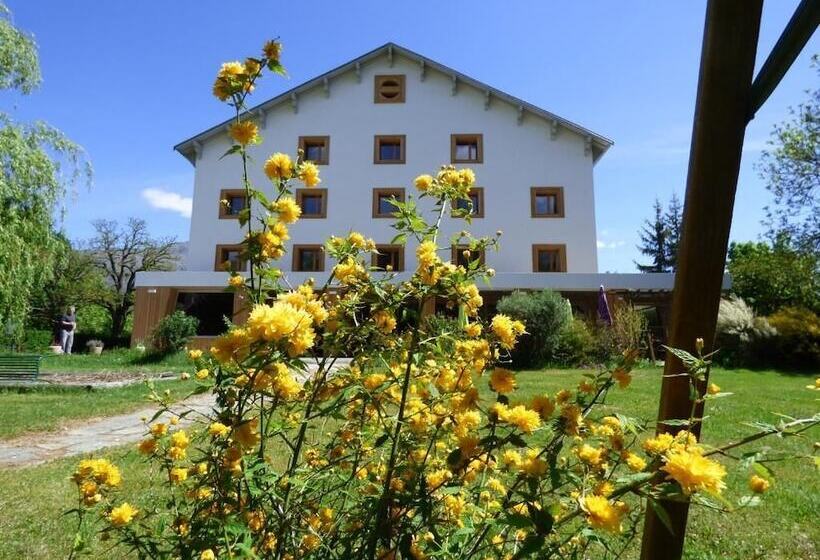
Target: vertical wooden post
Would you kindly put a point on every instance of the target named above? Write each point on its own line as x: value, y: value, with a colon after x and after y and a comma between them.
x: 727, y: 62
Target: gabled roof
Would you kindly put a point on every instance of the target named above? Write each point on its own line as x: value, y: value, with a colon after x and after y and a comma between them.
x: 597, y: 143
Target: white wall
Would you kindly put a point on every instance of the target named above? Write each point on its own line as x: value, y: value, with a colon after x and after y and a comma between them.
x: 516, y: 157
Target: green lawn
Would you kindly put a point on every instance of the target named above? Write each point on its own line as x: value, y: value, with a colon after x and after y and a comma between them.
x: 43, y: 408
x: 783, y: 527
x: 118, y: 360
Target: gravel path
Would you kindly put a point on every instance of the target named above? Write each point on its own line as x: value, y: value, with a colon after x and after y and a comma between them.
x: 34, y: 449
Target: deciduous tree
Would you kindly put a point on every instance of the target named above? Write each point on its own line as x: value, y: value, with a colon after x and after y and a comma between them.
x: 769, y: 277
x: 791, y: 169
x: 38, y: 166
x: 120, y: 252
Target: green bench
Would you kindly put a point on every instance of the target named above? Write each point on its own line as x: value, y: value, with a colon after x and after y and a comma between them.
x: 18, y: 368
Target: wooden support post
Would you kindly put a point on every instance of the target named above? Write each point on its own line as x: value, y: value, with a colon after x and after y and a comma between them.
x: 724, y: 86
x: 428, y: 308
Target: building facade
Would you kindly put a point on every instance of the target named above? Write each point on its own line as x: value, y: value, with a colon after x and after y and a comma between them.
x: 373, y: 125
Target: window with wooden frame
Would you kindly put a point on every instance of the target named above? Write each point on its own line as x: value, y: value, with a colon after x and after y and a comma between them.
x: 462, y: 255
x: 229, y: 257
x: 389, y: 149
x: 315, y: 149
x: 308, y: 258
x: 547, y: 202
x: 475, y: 206
x: 389, y: 88
x: 549, y: 258
x: 389, y: 257
x: 466, y: 148
x: 231, y: 203
x: 313, y: 202
x: 383, y: 206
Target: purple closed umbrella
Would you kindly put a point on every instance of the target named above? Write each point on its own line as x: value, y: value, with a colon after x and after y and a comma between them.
x: 603, y: 307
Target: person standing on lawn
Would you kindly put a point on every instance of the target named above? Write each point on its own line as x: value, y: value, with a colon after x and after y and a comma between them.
x: 68, y: 322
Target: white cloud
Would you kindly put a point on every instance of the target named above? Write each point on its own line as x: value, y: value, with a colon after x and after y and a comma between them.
x: 167, y: 200
x: 610, y: 245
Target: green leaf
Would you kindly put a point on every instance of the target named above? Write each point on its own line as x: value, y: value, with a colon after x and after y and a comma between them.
x: 232, y: 150
x: 659, y: 510
x: 532, y: 543
x: 516, y: 520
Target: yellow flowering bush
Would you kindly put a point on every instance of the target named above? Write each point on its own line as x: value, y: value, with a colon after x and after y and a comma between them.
x: 417, y: 447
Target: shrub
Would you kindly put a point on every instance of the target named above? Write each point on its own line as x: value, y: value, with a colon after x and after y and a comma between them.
x: 410, y: 450
x: 740, y: 336
x: 36, y: 340
x: 544, y: 314
x: 628, y: 330
x: 173, y: 332
x: 797, y: 343
x: 576, y: 344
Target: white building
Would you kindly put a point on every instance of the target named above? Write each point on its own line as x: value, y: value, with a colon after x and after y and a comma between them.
x: 373, y: 125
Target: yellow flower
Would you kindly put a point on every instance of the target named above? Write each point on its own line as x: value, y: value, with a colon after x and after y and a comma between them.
x: 507, y: 330
x: 694, y: 472
x: 623, y: 377
x: 279, y: 166
x: 159, y: 429
x: 176, y: 453
x: 180, y: 439
x: 573, y: 419
x: 309, y: 174
x: 532, y: 465
x: 177, y: 475
x: 502, y: 381
x: 429, y: 269
x: 436, y: 479
x: 357, y: 239
x: 713, y: 389
x: 592, y: 456
x: 635, y: 462
x: 287, y: 209
x: 246, y: 434
x: 524, y: 419
x: 373, y: 380
x: 226, y: 80
x: 283, y: 322
x: 194, y: 354
x: 311, y: 542
x: 424, y: 182
x: 147, y: 446
x: 602, y: 514
x: 252, y: 67
x: 348, y: 271
x: 543, y: 405
x: 207, y: 554
x: 385, y: 322
x: 272, y: 50
x: 244, y: 132
x: 658, y: 444
x: 472, y: 330
x: 758, y: 484
x: 202, y: 374
x: 236, y: 281
x: 218, y: 429
x: 122, y: 515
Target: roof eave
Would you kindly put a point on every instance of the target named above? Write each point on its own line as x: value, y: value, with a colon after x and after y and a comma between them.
x: 187, y: 148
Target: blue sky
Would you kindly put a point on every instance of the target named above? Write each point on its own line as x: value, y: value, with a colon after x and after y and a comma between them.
x: 128, y: 80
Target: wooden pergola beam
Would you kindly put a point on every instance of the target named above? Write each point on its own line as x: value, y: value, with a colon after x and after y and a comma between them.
x: 721, y: 110
x: 797, y: 33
